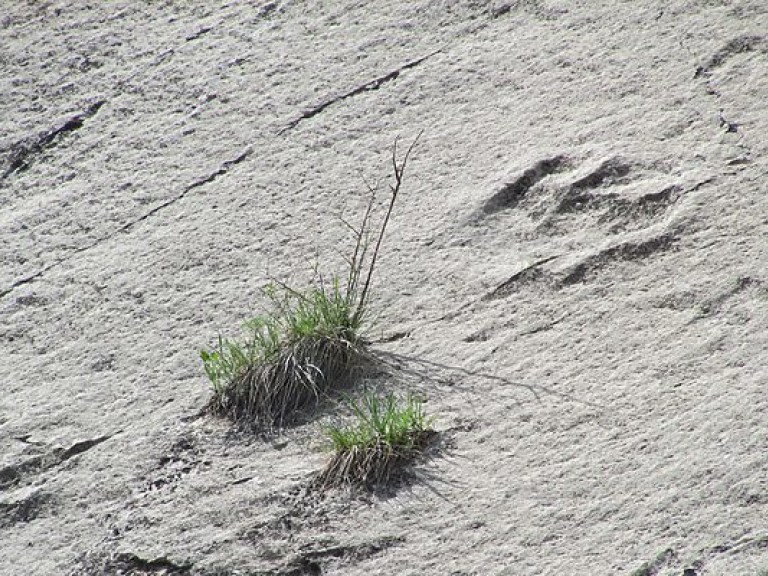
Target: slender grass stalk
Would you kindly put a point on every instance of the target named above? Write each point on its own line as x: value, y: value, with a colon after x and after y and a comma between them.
x: 309, y: 342
x: 395, y: 190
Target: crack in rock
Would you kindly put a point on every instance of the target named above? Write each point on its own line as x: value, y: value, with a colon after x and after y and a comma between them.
x: 22, y: 152
x: 727, y: 124
x: 739, y: 45
x: 202, y: 32
x: 27, y: 279
x: 14, y: 473
x: 736, y: 46
x: 528, y: 274
x: 510, y: 194
x: 83, y: 446
x: 747, y: 543
x: 225, y: 167
x: 374, y: 84
x: 625, y: 251
x: 533, y: 7
x: 129, y: 563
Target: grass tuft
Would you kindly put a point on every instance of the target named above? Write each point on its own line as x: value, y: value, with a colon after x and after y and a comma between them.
x: 308, y: 343
x: 387, y: 435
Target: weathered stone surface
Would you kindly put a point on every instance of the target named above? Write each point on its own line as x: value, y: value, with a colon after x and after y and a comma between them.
x: 578, y: 261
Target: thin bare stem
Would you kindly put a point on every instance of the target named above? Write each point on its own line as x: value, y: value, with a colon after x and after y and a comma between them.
x: 394, y: 189
x: 361, y: 247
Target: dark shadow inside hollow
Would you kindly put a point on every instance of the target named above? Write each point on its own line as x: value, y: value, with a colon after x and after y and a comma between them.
x: 511, y: 194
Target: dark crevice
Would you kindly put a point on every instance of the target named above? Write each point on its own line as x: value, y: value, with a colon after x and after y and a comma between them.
x: 626, y: 251
x: 500, y: 11
x: 367, y: 87
x: 727, y: 124
x: 363, y: 550
x: 28, y: 279
x: 542, y: 327
x: 267, y: 9
x: 22, y: 152
x: 83, y: 446
x: 155, y: 565
x: 14, y: 473
x: 511, y: 194
x: 225, y: 167
x: 242, y: 480
x: 714, y: 305
x: 701, y: 184
x: 622, y: 209
x: 624, y: 213
x: 533, y: 7
x: 744, y: 545
x: 128, y: 563
x: 196, y: 184
x: 666, y: 196
x: 528, y: 274
x: 394, y: 337
x: 203, y: 31
x: 608, y: 172
x: 575, y: 202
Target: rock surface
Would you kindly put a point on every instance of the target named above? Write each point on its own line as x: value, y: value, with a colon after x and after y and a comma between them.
x: 577, y: 266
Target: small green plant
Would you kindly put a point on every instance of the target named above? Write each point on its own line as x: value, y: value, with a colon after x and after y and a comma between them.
x: 387, y: 434
x: 309, y: 342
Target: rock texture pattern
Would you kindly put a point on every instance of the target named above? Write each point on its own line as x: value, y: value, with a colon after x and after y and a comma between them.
x: 577, y: 269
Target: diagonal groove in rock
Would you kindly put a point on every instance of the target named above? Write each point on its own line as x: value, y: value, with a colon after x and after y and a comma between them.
x: 759, y: 541
x: 127, y: 226
x: 22, y: 151
x: 226, y: 165
x: 735, y: 46
x: 739, y: 45
x: 28, y: 279
x: 511, y: 194
x: 309, y: 561
x: 577, y: 195
x: 128, y: 563
x: 161, y: 565
x: 12, y: 474
x: 625, y: 251
x: 83, y: 446
x: 374, y: 84
x: 361, y: 550
x: 609, y: 171
x: 530, y: 272
x: 201, y: 32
